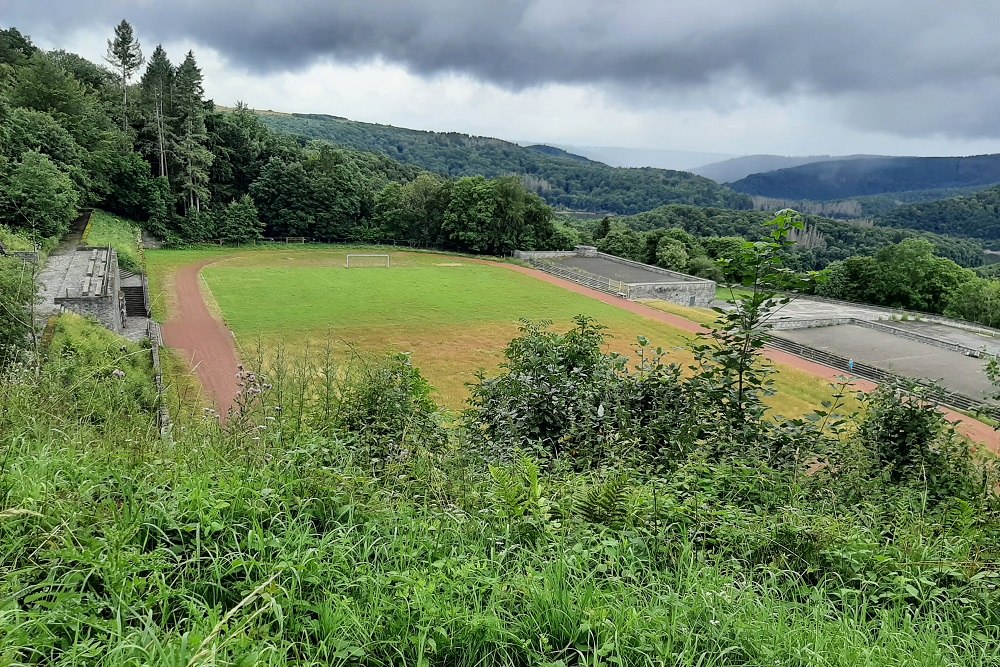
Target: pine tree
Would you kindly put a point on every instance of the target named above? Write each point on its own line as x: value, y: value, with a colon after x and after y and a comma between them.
x: 125, y: 56
x: 192, y: 137
x: 156, y: 94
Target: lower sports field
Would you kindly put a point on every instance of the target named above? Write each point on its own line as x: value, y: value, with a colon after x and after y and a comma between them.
x: 454, y: 314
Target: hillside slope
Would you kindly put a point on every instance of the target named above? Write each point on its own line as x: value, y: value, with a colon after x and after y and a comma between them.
x: 841, y: 179
x: 727, y: 171
x: 563, y: 180
x: 975, y: 216
x: 827, y: 241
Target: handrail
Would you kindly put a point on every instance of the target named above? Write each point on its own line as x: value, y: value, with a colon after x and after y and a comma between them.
x: 939, y: 394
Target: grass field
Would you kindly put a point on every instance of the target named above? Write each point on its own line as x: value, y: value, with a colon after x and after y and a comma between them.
x: 453, y: 314
x: 106, y: 229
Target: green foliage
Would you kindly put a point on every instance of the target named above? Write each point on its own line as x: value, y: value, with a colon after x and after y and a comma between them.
x: 239, y: 222
x: 17, y: 290
x: 909, y: 275
x: 37, y: 197
x: 826, y: 241
x: 855, y: 177
x: 607, y: 503
x: 973, y: 215
x: 292, y: 549
x: 976, y: 300
x: 105, y: 229
x: 567, y: 182
x: 102, y: 379
x: 623, y: 242
x: 125, y: 56
x: 555, y: 396
x: 728, y: 357
x: 910, y: 443
x: 387, y: 406
x: 671, y: 254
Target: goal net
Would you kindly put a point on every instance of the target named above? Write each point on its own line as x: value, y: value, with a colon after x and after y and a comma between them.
x: 356, y: 261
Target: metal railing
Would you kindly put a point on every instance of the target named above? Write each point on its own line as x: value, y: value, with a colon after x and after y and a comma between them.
x: 581, y: 277
x: 929, y: 390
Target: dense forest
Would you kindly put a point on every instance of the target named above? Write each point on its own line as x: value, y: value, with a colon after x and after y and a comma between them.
x: 560, y: 178
x: 843, y: 179
x: 824, y: 240
x: 77, y: 134
x: 974, y: 216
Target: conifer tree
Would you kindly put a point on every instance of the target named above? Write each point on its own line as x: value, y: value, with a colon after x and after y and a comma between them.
x: 125, y: 56
x: 156, y: 93
x: 192, y: 137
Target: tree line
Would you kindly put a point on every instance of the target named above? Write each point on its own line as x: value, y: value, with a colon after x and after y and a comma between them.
x: 913, y: 273
x: 560, y: 178
x: 975, y: 216
x: 138, y: 138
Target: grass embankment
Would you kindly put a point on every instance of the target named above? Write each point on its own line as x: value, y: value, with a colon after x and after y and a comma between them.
x: 105, y: 229
x: 267, y: 545
x: 15, y: 241
x: 453, y: 314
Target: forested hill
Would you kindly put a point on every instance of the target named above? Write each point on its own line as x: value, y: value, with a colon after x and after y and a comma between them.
x: 563, y: 180
x: 826, y: 240
x: 841, y: 179
x: 736, y: 168
x: 975, y: 216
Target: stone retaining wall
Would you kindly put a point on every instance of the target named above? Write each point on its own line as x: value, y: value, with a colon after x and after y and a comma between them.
x: 673, y: 275
x: 528, y: 255
x: 107, y: 305
x: 683, y: 293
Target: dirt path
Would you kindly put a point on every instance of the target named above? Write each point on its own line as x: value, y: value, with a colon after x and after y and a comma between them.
x: 204, y: 342
x: 975, y: 430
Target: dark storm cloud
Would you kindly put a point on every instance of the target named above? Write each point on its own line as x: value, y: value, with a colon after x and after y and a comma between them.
x: 899, y: 53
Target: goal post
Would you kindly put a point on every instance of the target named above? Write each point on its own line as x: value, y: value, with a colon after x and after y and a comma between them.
x: 366, y: 261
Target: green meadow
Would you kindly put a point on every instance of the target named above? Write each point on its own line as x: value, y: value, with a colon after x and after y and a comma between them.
x: 454, y: 314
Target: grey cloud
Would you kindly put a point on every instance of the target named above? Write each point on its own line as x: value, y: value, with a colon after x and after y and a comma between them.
x: 850, y: 52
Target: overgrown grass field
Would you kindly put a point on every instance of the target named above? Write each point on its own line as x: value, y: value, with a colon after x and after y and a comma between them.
x: 452, y: 313
x: 367, y: 534
x: 106, y: 229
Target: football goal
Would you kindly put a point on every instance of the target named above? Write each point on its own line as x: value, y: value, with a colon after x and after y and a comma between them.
x: 356, y: 261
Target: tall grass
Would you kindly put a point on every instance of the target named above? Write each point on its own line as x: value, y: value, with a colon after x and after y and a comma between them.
x: 277, y: 542
x: 106, y: 229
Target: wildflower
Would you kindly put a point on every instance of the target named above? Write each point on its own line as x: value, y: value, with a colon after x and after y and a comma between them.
x: 118, y: 374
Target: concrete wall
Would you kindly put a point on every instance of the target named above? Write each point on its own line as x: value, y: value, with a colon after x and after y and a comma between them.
x: 788, y: 325
x: 671, y: 275
x: 107, y: 307
x: 30, y: 257
x: 891, y: 313
x: 543, y: 254
x: 678, y: 288
x: 695, y: 294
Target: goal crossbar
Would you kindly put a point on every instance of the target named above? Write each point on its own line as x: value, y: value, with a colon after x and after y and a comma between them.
x: 355, y: 256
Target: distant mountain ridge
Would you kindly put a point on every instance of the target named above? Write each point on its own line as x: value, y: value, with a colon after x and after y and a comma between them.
x: 561, y: 178
x: 658, y: 158
x: 859, y: 177
x: 737, y: 168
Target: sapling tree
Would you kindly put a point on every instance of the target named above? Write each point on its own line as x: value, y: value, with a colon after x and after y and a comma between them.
x: 727, y: 356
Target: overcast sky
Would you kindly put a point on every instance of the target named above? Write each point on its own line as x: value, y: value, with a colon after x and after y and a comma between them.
x: 913, y: 77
